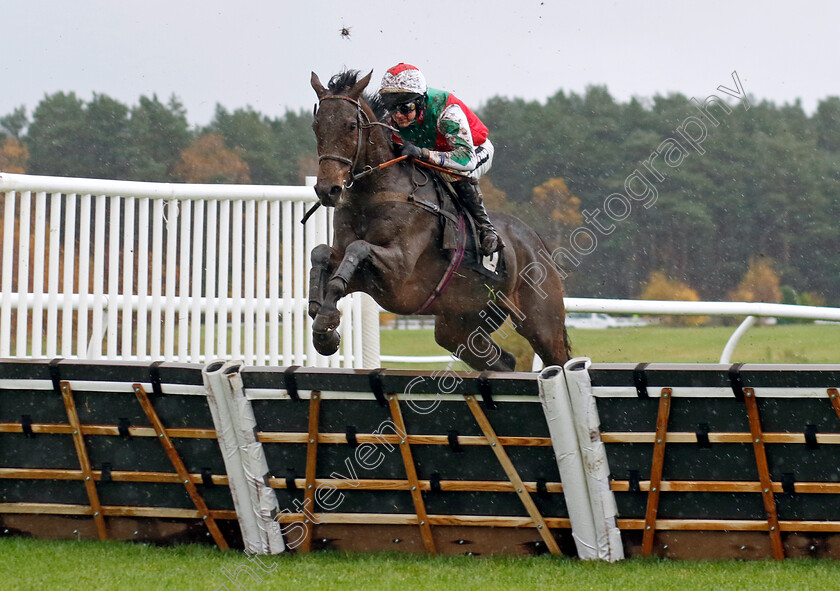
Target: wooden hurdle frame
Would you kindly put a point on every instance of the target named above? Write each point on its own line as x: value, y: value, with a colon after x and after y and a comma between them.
x: 304, y: 421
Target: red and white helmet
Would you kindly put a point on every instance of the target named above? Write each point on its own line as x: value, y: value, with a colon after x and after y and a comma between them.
x: 403, y: 79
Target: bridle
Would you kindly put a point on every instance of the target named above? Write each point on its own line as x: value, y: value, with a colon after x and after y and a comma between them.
x: 362, y: 122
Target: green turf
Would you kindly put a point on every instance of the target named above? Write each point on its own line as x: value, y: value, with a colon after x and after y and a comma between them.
x: 790, y: 343
x: 37, y: 564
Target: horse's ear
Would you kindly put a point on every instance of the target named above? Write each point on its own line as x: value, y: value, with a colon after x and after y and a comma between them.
x: 357, y: 89
x: 316, y: 84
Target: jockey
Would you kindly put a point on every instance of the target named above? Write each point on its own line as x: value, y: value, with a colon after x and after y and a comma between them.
x: 436, y: 127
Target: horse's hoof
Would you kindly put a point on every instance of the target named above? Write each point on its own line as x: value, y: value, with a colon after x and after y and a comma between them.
x: 326, y: 343
x: 314, y: 307
x: 326, y: 322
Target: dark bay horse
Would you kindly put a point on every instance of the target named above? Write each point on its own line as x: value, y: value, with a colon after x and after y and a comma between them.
x: 388, y: 247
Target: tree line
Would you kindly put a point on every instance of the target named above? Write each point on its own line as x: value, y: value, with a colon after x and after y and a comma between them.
x: 763, y: 194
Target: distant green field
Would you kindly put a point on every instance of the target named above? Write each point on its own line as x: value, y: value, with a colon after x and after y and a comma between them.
x: 92, y: 566
x: 789, y: 343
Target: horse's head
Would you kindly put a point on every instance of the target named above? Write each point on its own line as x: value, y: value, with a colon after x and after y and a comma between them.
x: 338, y: 130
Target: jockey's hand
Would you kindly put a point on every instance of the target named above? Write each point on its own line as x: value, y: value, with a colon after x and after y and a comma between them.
x: 409, y: 149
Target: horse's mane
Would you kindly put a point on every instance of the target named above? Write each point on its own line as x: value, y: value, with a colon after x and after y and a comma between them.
x: 344, y: 81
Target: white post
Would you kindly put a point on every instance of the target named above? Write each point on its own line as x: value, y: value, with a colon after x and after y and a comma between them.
x: 52, y: 285
x: 172, y: 213
x: 554, y: 396
x: 69, y: 266
x: 38, y: 269
x: 274, y: 284
x: 217, y: 387
x: 252, y: 456
x: 262, y: 255
x: 346, y: 330
x: 288, y: 313
x: 113, y: 276
x: 8, y: 271
x: 184, y: 282
x: 23, y: 272
x: 95, y: 343
x: 157, y: 277
x: 129, y: 234
x: 210, y: 281
x: 236, y: 281
x: 143, y: 277
x: 587, y: 426
x: 300, y: 280
x: 370, y: 333
x: 224, y: 265
x: 197, y: 276
x: 84, y: 277
x: 359, y: 318
x: 249, y: 261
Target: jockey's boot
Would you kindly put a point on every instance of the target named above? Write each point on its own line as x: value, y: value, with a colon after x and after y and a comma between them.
x: 470, y: 196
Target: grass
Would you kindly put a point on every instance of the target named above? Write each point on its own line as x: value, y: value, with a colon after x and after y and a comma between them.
x: 37, y: 564
x: 788, y: 343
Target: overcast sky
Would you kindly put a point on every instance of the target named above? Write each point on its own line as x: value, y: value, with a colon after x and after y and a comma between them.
x: 261, y: 52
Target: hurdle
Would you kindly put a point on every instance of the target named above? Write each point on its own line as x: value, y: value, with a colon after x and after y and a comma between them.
x: 599, y: 461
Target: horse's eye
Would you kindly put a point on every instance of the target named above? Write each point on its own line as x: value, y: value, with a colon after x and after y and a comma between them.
x: 353, y: 125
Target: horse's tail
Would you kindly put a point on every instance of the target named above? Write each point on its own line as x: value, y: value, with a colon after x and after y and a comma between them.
x: 566, y: 342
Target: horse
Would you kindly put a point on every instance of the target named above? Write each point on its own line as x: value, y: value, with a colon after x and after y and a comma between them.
x: 387, y: 246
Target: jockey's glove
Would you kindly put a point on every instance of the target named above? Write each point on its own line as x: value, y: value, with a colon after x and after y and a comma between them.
x: 409, y: 149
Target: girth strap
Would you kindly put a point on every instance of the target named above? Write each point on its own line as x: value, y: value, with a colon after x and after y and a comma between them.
x: 454, y: 262
x: 435, y: 209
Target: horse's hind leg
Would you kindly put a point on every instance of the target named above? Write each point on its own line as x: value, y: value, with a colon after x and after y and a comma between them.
x: 544, y: 322
x: 468, y: 337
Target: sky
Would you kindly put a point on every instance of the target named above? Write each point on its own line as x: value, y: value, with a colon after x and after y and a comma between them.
x: 260, y: 53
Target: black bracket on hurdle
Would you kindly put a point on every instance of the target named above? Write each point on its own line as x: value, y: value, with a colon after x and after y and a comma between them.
x: 106, y: 472
x: 736, y: 381
x: 55, y: 375
x: 290, y: 480
x: 702, y: 435
x: 640, y: 380
x: 375, y: 381
x: 434, y: 482
x: 207, y: 477
x: 634, y: 481
x: 26, y: 426
x: 811, y: 437
x: 350, y: 434
x: 154, y: 376
x: 290, y: 382
x: 123, y: 426
x: 485, y: 390
x: 542, y: 487
x: 788, y: 483
x: 454, y: 444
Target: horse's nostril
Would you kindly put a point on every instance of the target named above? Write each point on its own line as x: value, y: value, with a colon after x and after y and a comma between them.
x: 335, y: 191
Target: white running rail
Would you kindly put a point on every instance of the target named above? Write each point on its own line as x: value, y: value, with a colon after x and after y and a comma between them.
x: 102, y: 269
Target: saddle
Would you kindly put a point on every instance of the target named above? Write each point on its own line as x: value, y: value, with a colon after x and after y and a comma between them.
x: 460, y: 233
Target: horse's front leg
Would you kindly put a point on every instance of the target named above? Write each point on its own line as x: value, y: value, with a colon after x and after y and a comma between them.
x: 323, y: 264
x: 328, y: 317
